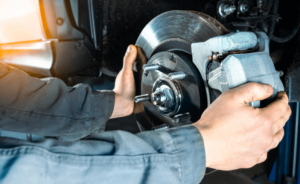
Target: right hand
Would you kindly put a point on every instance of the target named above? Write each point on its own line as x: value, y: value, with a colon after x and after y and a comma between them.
x: 237, y: 135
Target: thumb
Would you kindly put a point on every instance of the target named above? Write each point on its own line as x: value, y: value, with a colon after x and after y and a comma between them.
x: 129, y: 58
x: 253, y: 91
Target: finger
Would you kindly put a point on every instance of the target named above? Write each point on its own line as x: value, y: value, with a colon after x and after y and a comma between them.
x: 262, y: 158
x: 276, y: 140
x: 279, y: 124
x: 252, y: 91
x: 129, y: 58
x: 278, y: 108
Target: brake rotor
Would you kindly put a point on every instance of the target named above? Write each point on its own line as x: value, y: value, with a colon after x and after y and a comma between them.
x: 172, y: 86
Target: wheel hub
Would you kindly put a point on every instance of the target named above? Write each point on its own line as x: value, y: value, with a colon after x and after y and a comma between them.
x: 171, y: 87
x: 166, y: 96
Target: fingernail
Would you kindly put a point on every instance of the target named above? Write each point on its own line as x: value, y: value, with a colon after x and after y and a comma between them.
x: 129, y: 49
x: 267, y: 88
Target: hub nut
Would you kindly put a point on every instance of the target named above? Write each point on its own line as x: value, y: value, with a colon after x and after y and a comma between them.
x: 163, y: 97
x: 158, y: 98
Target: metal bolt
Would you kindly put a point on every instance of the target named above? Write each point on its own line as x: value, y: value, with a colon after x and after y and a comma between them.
x: 141, y: 98
x: 225, y: 9
x: 60, y: 21
x: 163, y: 97
x: 150, y: 67
x: 158, y: 98
x: 229, y: 9
x: 244, y: 8
x: 177, y: 75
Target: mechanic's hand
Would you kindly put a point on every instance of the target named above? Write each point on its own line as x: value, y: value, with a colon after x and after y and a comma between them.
x: 125, y: 86
x: 237, y: 135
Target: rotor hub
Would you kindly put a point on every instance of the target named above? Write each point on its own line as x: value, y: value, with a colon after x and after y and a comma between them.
x: 170, y: 88
x: 163, y: 97
x: 173, y: 86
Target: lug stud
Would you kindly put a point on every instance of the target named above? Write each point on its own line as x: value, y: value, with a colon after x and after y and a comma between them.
x: 142, y: 98
x: 150, y: 67
x: 177, y: 75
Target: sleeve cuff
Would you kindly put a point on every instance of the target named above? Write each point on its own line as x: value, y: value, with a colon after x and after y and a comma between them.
x: 103, y: 107
x: 191, y: 152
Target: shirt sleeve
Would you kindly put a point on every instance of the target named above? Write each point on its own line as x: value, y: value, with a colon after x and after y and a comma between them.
x: 48, y: 107
x: 174, y: 156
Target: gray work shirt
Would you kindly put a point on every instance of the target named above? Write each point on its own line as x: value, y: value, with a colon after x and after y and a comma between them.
x: 48, y: 107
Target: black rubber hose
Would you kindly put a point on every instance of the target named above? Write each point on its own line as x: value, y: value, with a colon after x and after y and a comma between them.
x: 288, y: 37
x: 273, y: 20
x: 291, y: 35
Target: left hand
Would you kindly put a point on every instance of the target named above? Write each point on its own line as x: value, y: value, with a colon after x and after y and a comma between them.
x: 237, y: 135
x: 125, y: 86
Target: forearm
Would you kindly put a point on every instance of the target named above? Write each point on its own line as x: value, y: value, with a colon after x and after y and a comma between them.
x: 173, y: 156
x: 50, y: 108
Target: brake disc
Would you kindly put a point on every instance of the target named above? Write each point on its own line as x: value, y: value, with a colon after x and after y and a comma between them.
x: 171, y: 86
